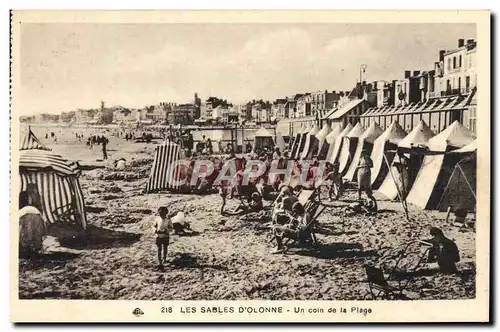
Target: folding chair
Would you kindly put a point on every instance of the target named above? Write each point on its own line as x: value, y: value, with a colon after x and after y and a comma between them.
x: 378, y: 284
x: 379, y: 288
x: 307, y: 234
x: 68, y: 213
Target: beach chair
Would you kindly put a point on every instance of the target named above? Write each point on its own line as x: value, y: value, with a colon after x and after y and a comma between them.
x: 68, y: 214
x: 379, y: 288
x: 306, y: 195
x: 306, y: 235
x: 378, y: 285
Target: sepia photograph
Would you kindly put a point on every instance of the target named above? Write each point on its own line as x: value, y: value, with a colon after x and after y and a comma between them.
x: 233, y: 160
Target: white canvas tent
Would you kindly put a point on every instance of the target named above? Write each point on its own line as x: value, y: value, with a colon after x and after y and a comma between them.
x: 418, y: 138
x: 349, y: 145
x: 296, y: 141
x: 263, y: 138
x: 460, y: 192
x: 302, y: 142
x: 437, y: 168
x: 321, y: 147
x: 385, y: 145
x: 365, y: 142
x: 57, y: 183
x: 334, y: 140
x: 280, y: 141
x: 310, y: 140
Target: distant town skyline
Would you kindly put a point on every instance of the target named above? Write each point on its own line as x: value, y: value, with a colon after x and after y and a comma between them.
x: 70, y: 66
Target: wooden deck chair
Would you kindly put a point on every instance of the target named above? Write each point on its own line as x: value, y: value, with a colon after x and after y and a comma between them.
x: 306, y: 195
x: 379, y: 287
x: 378, y: 284
x: 307, y: 235
x: 69, y: 213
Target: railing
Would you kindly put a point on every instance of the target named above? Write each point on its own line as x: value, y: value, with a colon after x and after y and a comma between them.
x: 456, y: 91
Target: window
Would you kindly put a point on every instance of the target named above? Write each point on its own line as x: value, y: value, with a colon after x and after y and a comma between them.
x: 431, y: 84
x: 449, y: 64
x: 472, y: 119
x: 460, y: 61
x: 459, y: 83
x: 467, y: 83
x: 454, y: 62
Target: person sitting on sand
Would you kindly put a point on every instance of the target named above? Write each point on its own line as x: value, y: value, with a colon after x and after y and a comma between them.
x: 295, y: 228
x: 180, y: 224
x: 162, y: 227
x: 444, y: 251
x: 368, y: 207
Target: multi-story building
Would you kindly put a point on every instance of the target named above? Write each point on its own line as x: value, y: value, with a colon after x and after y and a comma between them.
x: 304, y: 106
x: 256, y: 112
x: 278, y: 109
x: 181, y: 114
x: 233, y: 114
x: 84, y: 115
x: 291, y: 106
x: 206, y: 110
x: 459, y: 69
x: 44, y: 118
x: 218, y: 113
x: 124, y: 115
x: 323, y: 101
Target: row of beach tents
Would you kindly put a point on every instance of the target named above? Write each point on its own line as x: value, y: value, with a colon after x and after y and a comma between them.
x: 439, y: 171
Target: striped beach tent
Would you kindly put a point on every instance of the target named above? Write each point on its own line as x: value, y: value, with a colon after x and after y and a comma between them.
x: 29, y: 142
x: 57, y: 182
x: 162, y: 173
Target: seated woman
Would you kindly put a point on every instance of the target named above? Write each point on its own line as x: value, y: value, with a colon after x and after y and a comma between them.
x: 296, y: 228
x: 444, y: 251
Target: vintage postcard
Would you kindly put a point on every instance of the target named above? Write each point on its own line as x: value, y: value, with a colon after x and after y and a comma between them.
x: 253, y: 166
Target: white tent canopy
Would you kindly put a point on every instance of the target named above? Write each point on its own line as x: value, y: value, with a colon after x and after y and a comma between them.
x: 436, y: 169
x: 402, y: 178
x: 336, y: 146
x: 365, y: 142
x: 390, y: 138
x: 310, y: 139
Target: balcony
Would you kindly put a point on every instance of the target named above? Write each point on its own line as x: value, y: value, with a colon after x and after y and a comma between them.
x: 457, y: 91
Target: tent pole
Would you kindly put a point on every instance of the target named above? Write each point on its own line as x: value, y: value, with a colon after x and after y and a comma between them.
x: 397, y: 188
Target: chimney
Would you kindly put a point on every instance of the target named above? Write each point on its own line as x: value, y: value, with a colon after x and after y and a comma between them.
x: 407, y: 73
x: 470, y: 41
x: 416, y: 72
x: 441, y: 55
x: 461, y: 42
x: 334, y: 92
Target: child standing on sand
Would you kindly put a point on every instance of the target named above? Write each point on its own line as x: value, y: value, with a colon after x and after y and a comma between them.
x: 162, y: 227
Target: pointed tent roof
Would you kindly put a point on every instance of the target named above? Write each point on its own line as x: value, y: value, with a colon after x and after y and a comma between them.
x: 394, y: 133
x: 337, y: 131
x: 306, y: 130
x: 456, y: 135
x: 263, y: 132
x: 321, y: 135
x: 280, y: 141
x: 419, y: 136
x: 38, y: 160
x: 357, y: 131
x: 315, y: 129
x: 30, y: 142
x: 370, y: 134
x: 471, y: 147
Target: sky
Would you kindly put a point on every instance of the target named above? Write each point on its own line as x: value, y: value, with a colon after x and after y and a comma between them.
x: 69, y: 66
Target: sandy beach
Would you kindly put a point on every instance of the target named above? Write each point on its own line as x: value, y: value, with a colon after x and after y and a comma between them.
x: 227, y: 258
